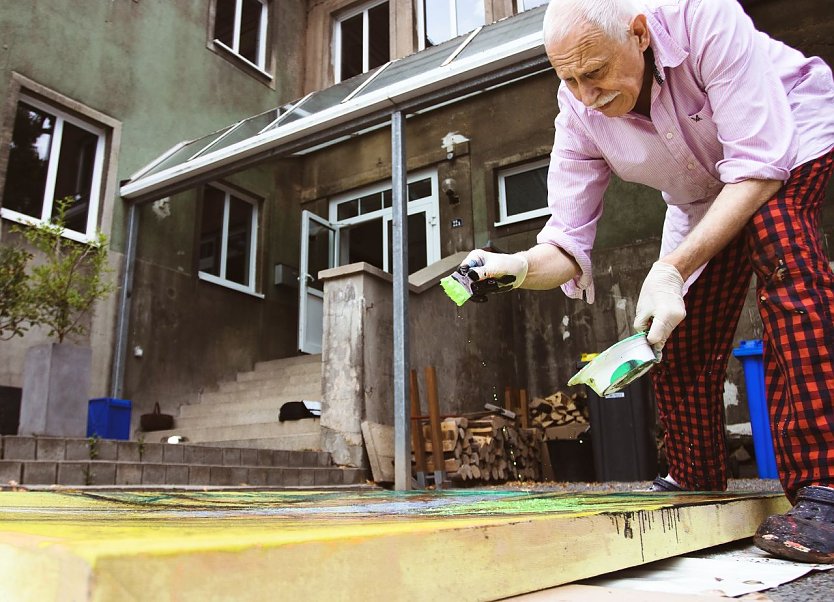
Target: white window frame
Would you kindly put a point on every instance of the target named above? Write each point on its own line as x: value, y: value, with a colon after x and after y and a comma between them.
x: 262, y: 36
x: 362, y: 9
x: 430, y: 205
x: 250, y: 287
x: 421, y: 22
x: 61, y: 117
x: 520, y: 6
x: 503, y: 218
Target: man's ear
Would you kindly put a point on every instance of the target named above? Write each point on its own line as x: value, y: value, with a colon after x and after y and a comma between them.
x: 640, y: 29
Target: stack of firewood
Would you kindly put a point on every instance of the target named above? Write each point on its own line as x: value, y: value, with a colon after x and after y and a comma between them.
x: 490, y: 449
x: 558, y: 409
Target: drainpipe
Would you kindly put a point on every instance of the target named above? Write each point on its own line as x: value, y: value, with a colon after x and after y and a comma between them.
x: 122, y: 319
x: 399, y: 214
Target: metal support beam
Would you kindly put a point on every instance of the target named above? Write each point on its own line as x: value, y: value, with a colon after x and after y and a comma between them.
x: 399, y: 209
x: 123, y: 319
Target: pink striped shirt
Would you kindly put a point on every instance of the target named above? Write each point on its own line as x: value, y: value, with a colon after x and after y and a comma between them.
x: 728, y: 103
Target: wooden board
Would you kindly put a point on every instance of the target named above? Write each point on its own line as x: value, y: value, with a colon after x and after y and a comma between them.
x: 361, y: 545
x: 379, y: 443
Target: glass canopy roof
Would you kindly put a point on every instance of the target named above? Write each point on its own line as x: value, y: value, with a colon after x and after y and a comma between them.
x: 404, y: 81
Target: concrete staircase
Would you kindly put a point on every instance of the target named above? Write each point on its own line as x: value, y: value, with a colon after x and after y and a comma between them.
x: 106, y: 462
x: 244, y: 412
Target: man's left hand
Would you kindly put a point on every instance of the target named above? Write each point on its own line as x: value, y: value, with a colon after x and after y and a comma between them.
x: 660, y: 304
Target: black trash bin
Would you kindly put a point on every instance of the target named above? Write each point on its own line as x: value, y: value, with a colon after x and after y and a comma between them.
x: 572, y: 458
x: 623, y: 439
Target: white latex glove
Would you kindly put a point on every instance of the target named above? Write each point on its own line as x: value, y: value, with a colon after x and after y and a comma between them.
x: 661, y: 303
x: 496, y: 265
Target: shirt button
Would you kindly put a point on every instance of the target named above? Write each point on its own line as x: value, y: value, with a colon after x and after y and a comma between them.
x: 669, y: 135
x: 690, y: 166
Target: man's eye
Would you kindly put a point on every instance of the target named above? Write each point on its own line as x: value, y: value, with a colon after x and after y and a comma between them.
x: 593, y: 74
x: 570, y: 81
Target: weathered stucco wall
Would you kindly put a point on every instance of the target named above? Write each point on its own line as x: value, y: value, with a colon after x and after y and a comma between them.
x: 149, y: 66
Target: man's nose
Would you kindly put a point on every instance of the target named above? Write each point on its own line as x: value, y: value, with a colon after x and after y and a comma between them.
x: 588, y: 93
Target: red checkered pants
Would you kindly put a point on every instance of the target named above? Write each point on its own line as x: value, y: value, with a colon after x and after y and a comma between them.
x: 795, y: 293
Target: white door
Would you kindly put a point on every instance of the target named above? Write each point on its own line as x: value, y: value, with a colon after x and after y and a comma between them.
x: 319, y: 251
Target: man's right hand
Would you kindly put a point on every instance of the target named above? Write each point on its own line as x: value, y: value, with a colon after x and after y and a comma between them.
x: 494, y: 271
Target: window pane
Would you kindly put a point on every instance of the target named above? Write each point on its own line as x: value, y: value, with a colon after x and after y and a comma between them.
x: 347, y: 210
x: 319, y: 253
x: 351, y: 50
x: 75, y: 174
x: 379, y: 52
x: 526, y: 191
x: 438, y: 21
x: 372, y: 202
x: 470, y: 15
x: 417, y: 246
x: 28, y: 161
x: 364, y: 243
x: 240, y: 237
x: 250, y: 31
x: 211, y: 230
x: 419, y: 190
x: 224, y: 22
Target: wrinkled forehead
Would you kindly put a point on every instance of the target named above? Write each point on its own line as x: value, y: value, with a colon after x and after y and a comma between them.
x: 584, y: 47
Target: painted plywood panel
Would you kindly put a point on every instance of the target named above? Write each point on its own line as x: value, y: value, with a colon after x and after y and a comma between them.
x: 340, y: 545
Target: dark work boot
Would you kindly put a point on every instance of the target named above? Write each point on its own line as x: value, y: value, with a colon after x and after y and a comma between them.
x: 805, y: 532
x: 661, y: 484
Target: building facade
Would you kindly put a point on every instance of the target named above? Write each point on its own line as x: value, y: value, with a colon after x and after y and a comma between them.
x: 213, y: 287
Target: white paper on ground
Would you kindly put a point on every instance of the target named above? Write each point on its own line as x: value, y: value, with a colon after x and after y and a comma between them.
x: 734, y: 573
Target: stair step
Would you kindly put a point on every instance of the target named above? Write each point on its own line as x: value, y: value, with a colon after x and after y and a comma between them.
x: 96, y: 472
x: 231, y: 404
x: 271, y: 386
x: 237, y: 398
x: 298, y: 434
x: 298, y: 371
x: 231, y: 416
x: 76, y: 461
x: 289, y: 361
x: 59, y: 449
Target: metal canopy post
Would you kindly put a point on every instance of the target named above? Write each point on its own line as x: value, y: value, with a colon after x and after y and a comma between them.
x: 118, y: 375
x: 399, y: 209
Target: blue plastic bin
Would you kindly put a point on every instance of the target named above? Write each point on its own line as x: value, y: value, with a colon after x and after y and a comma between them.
x: 749, y: 353
x: 109, y: 418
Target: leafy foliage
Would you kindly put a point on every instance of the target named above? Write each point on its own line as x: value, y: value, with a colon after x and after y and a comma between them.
x: 15, y: 295
x: 68, y: 279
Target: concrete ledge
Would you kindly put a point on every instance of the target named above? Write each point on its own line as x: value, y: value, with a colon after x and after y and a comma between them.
x: 418, y: 282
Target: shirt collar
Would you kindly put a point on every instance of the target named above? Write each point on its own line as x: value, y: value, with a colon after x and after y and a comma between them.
x: 667, y: 52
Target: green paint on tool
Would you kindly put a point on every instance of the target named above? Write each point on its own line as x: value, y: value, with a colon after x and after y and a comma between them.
x: 456, y: 291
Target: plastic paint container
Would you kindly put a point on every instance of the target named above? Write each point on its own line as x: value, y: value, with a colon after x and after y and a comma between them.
x: 618, y: 366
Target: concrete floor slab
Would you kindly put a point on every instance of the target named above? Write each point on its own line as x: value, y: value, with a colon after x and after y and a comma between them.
x: 346, y: 545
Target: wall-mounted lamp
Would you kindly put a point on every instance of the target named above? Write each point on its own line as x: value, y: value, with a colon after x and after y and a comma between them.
x: 450, y: 188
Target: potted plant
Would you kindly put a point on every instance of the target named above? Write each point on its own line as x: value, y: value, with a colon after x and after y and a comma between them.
x: 63, y: 282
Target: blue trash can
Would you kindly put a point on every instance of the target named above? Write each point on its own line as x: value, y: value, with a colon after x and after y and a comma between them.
x: 109, y: 418
x: 749, y: 353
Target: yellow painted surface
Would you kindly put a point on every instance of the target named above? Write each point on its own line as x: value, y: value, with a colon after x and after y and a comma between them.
x: 326, y: 545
